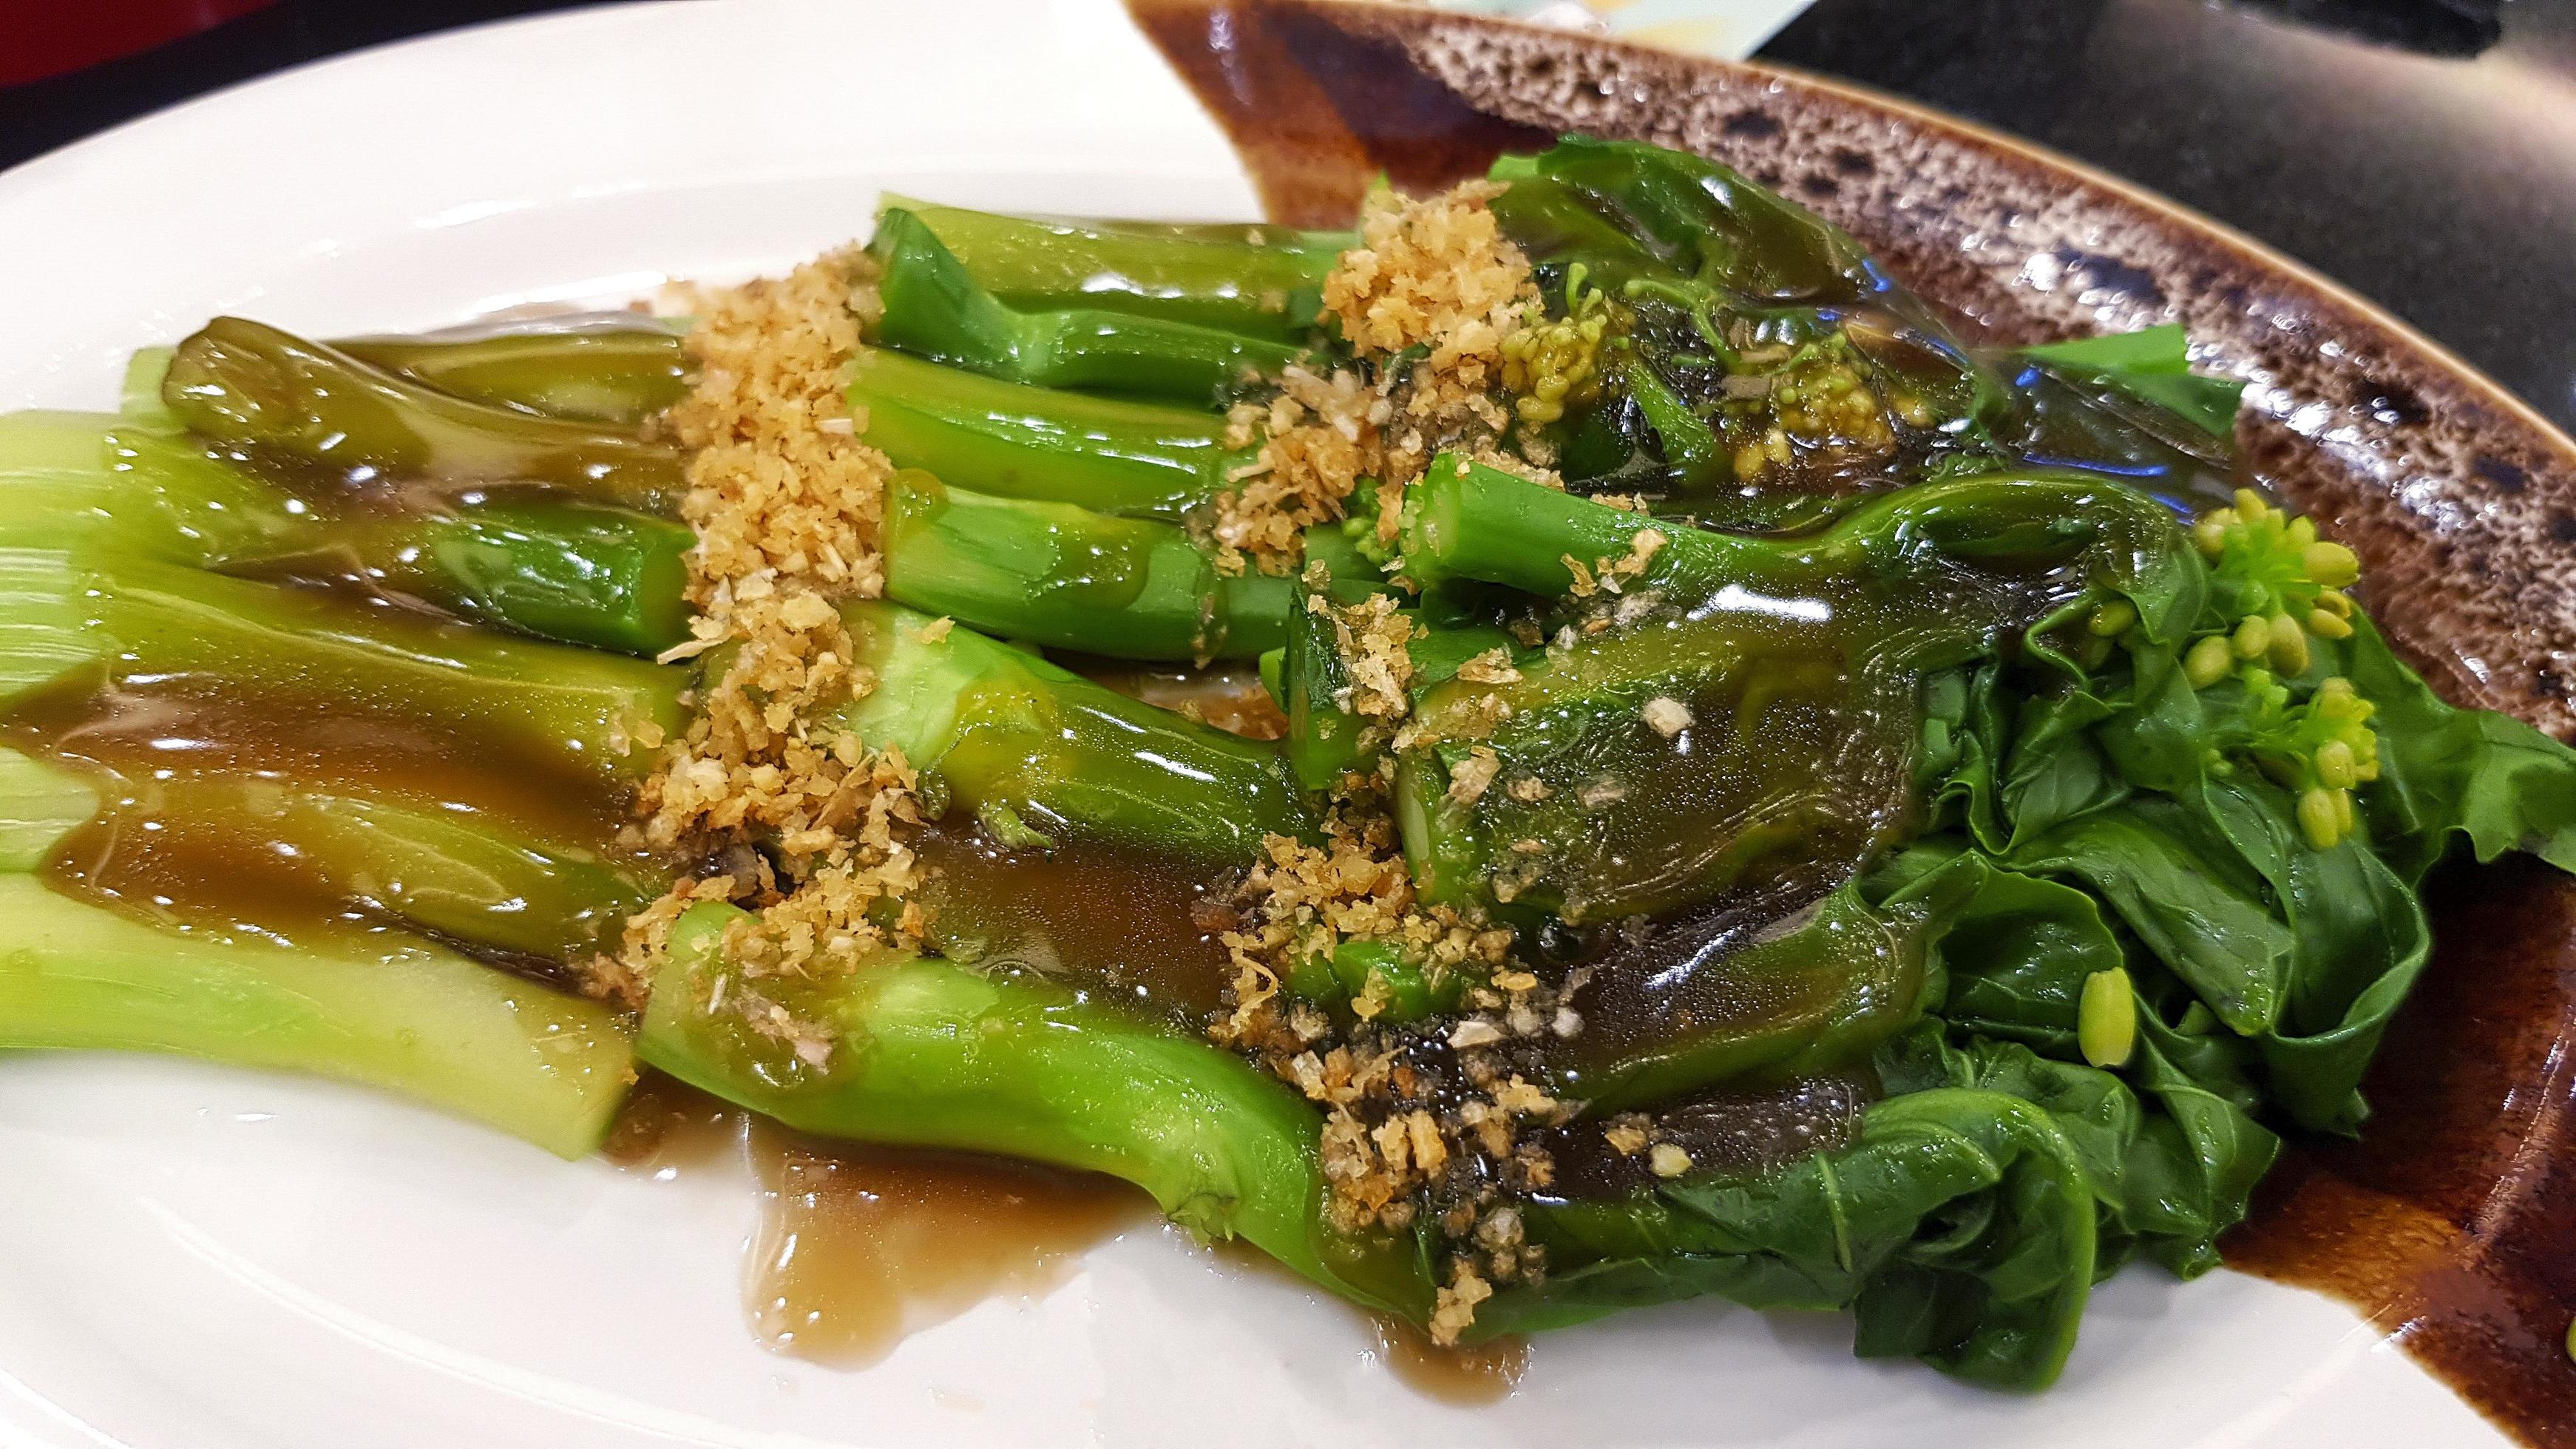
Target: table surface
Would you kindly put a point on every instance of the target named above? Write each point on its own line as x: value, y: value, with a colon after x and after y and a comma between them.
x: 2422, y: 151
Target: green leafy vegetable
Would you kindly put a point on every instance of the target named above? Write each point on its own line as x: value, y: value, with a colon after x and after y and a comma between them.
x: 2153, y: 364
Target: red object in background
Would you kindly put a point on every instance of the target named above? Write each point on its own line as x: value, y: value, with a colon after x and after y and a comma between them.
x: 39, y: 38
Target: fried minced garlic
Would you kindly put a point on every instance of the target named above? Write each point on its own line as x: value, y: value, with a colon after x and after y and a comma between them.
x: 1469, y: 777
x: 1611, y: 575
x: 775, y: 491
x: 786, y: 500
x: 1415, y: 1121
x: 1433, y: 275
x: 1322, y: 436
x: 1453, y: 1310
x: 1626, y: 1133
x: 1494, y: 666
x: 1433, y: 272
x: 1371, y: 637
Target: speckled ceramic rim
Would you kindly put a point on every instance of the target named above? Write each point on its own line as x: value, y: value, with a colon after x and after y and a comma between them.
x: 2253, y: 250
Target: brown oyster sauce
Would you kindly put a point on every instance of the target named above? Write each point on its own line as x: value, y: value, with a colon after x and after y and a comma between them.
x: 205, y: 790
x: 2452, y: 1224
x: 857, y: 1247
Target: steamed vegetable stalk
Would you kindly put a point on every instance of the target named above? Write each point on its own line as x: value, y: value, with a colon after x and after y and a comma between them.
x: 562, y: 569
x: 419, y: 1021
x: 251, y: 385
x: 572, y: 711
x: 934, y: 307
x: 408, y: 1017
x: 928, y: 1053
x: 1115, y: 455
x: 618, y: 374
x: 1041, y: 755
x: 1068, y: 577
x: 475, y: 877
x: 1248, y: 279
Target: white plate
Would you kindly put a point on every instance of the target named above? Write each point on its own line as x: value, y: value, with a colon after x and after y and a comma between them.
x: 198, y: 1258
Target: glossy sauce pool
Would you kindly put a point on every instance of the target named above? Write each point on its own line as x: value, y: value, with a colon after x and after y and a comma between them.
x: 858, y: 1246
x: 1483, y: 1373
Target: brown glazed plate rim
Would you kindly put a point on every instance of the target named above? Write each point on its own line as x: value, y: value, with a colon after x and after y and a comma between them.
x: 2254, y: 249
x: 2447, y: 1224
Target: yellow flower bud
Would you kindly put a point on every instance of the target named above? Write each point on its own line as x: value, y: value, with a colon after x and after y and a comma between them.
x: 2288, y: 647
x: 2253, y: 637
x: 2330, y: 564
x: 2208, y: 662
x: 2106, y: 1018
x: 2327, y: 624
x: 2210, y: 533
x: 2113, y: 619
x: 2336, y: 767
x: 2319, y: 820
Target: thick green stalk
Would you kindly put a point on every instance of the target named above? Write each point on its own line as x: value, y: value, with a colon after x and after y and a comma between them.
x: 612, y: 374
x: 547, y: 1067
x: 1691, y: 449
x: 1468, y: 521
x: 555, y: 568
x: 581, y: 573
x: 928, y: 1053
x: 136, y: 489
x: 1399, y: 986
x: 1325, y: 739
x: 251, y: 385
x: 46, y: 616
x: 1066, y: 577
x: 139, y: 398
x: 41, y: 443
x: 1255, y: 280
x: 1041, y: 755
x: 458, y: 871
x: 40, y: 803
x: 1755, y: 1008
x: 617, y: 376
x: 546, y: 704
x: 933, y: 307
x: 1117, y: 455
